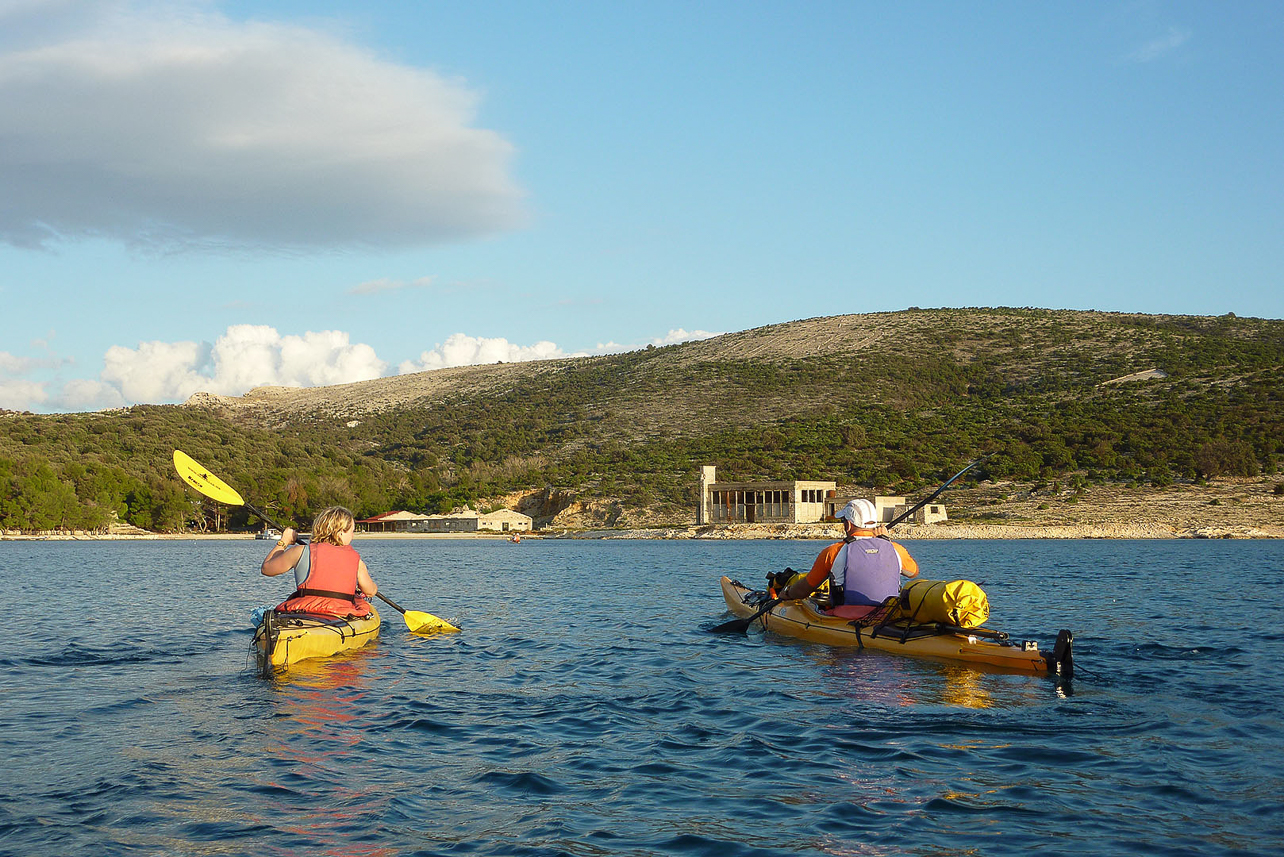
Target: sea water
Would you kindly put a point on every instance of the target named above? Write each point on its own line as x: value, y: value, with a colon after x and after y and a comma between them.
x: 586, y: 710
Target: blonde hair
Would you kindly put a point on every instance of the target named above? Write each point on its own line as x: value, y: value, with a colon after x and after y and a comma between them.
x: 329, y: 523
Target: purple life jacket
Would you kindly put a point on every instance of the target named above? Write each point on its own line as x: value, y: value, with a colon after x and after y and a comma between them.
x: 866, y: 571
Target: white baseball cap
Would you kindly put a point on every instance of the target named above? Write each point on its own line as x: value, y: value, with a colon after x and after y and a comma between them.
x: 861, y: 513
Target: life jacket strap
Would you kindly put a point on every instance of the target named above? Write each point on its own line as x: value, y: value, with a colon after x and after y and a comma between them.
x: 324, y: 593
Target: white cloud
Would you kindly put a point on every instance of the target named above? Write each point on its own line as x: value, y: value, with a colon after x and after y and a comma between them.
x: 460, y: 349
x: 11, y: 365
x: 17, y: 394
x: 1156, y: 48
x: 183, y: 128
x: 83, y: 394
x: 244, y: 357
x: 247, y: 356
x: 673, y: 337
x: 156, y: 371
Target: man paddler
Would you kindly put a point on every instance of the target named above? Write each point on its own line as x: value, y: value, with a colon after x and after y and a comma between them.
x: 865, y: 568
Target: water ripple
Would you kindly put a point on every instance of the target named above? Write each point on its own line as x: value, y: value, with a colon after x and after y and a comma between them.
x: 552, y: 726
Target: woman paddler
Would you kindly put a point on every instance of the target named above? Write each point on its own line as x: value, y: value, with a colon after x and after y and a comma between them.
x: 331, y: 578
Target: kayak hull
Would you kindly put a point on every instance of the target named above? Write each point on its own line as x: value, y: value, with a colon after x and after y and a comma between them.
x: 803, y: 620
x: 282, y: 639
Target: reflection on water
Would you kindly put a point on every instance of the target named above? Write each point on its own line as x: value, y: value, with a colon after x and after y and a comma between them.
x: 887, y: 679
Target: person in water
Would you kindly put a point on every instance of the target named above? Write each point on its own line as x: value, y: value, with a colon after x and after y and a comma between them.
x: 861, y: 569
x: 330, y: 577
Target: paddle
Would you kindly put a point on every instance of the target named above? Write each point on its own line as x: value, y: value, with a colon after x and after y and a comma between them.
x: 216, y: 489
x: 921, y: 503
x: 740, y: 626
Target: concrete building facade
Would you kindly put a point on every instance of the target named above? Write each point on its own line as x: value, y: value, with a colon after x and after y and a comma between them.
x: 467, y: 521
x: 391, y: 522
x: 779, y: 502
x: 791, y: 502
x: 890, y: 508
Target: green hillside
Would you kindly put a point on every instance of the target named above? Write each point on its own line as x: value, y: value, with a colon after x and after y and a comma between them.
x: 890, y: 401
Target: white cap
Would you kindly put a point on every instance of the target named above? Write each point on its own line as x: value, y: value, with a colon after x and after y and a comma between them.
x: 861, y: 513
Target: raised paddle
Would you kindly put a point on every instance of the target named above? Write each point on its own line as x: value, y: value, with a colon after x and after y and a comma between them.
x: 740, y: 626
x: 921, y: 503
x: 216, y: 489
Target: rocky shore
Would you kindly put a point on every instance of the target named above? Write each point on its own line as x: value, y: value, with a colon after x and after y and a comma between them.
x: 1225, y: 509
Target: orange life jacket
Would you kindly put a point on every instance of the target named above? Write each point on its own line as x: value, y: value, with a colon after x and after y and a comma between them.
x: 331, y: 584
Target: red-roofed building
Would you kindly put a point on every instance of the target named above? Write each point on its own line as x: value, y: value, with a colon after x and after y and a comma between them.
x: 391, y: 522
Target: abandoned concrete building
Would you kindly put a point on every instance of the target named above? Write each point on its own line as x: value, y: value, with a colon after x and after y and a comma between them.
x: 890, y: 508
x: 467, y: 521
x: 790, y: 502
x: 783, y: 502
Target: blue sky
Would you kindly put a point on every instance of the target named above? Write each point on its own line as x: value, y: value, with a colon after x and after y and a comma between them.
x: 215, y: 196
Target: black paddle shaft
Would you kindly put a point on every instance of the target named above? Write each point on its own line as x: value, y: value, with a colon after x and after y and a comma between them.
x: 921, y: 503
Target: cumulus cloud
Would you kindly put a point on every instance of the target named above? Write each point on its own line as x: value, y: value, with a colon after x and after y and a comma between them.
x: 181, y: 128
x: 244, y: 357
x: 1156, y: 48
x: 11, y: 365
x: 84, y: 394
x: 18, y: 394
x: 460, y: 349
x: 247, y: 356
x: 673, y: 337
x: 157, y: 371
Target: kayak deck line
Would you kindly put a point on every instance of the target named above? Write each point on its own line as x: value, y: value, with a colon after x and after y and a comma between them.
x: 803, y: 619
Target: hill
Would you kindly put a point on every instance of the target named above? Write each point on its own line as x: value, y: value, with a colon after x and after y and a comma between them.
x: 893, y: 402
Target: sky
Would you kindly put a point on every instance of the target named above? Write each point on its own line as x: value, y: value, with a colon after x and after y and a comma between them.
x: 214, y: 196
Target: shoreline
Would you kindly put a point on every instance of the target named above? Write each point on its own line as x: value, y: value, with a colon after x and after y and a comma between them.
x: 751, y: 532
x: 944, y: 531
x: 143, y: 536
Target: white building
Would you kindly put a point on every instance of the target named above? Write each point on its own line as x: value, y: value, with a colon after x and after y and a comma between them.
x: 469, y: 521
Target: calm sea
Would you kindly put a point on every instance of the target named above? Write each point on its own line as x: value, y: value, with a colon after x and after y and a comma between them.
x: 585, y: 710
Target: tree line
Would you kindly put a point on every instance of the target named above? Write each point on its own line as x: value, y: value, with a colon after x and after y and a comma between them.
x: 635, y: 427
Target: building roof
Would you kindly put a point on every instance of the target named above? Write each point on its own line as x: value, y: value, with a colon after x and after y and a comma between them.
x: 506, y: 514
x: 389, y: 517
x: 466, y: 513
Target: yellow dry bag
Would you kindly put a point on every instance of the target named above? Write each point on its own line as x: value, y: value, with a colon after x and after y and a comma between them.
x: 954, y: 602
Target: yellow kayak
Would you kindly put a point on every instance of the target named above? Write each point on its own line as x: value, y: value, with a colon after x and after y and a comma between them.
x: 804, y: 620
x: 282, y: 639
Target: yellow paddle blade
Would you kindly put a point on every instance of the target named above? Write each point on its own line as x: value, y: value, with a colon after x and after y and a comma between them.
x: 204, y: 481
x: 421, y: 622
